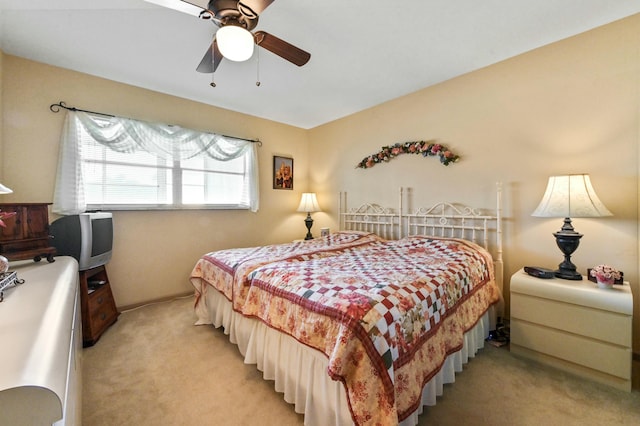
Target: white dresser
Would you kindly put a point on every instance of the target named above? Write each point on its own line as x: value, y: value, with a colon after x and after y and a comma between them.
x: 41, y: 341
x: 574, y: 326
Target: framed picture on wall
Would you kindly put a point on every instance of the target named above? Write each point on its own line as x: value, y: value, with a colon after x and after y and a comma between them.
x: 282, y: 172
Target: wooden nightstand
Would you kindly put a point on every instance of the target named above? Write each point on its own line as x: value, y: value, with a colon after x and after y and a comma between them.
x: 574, y: 326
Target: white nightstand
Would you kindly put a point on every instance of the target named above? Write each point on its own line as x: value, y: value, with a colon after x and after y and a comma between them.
x: 574, y: 326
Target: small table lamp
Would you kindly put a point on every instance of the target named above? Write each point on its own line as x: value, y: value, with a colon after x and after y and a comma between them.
x: 5, y: 190
x: 309, y: 204
x: 569, y: 196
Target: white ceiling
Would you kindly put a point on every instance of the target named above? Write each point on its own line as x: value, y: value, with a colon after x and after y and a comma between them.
x: 363, y: 52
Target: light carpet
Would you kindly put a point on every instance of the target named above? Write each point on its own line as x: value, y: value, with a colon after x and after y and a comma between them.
x: 154, y: 367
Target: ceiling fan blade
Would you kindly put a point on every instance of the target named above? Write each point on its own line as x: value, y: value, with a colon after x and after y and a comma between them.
x: 211, y: 59
x: 281, y: 48
x: 246, y: 7
x: 185, y: 7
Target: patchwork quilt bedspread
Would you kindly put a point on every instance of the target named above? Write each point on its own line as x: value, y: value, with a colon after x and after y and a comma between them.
x: 385, y: 313
x: 227, y: 270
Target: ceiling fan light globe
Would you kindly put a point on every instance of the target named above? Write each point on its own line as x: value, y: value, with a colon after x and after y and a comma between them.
x: 235, y: 43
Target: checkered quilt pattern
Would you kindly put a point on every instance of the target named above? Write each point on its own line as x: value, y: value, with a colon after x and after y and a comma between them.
x: 227, y: 270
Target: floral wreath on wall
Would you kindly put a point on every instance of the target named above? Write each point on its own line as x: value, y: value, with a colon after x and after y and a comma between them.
x: 425, y: 148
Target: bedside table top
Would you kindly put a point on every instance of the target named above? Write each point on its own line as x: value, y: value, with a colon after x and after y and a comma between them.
x: 584, y: 293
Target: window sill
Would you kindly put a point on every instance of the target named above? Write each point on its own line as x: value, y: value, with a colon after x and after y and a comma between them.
x: 150, y: 207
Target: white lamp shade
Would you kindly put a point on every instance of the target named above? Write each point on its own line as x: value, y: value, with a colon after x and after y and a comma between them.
x: 570, y: 196
x: 235, y: 43
x: 309, y: 203
x: 5, y: 190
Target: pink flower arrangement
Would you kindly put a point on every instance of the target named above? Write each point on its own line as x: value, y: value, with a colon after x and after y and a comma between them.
x: 5, y: 215
x: 605, y: 273
x: 425, y: 148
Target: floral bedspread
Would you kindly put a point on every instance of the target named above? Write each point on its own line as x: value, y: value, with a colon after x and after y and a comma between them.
x: 227, y: 270
x: 386, y: 313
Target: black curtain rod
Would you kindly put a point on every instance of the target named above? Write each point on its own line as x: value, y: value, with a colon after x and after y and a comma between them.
x: 61, y: 104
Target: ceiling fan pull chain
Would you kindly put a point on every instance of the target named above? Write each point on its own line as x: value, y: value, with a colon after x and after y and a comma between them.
x: 258, y: 68
x: 213, y: 66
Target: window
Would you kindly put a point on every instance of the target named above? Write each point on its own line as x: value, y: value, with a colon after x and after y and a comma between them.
x: 128, y: 165
x: 143, y: 179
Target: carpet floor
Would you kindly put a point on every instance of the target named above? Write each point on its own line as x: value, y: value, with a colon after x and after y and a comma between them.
x: 154, y: 367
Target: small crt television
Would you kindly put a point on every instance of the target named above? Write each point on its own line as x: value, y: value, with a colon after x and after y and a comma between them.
x: 88, y: 237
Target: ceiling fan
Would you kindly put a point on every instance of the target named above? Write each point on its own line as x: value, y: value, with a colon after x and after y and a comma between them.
x: 234, y: 40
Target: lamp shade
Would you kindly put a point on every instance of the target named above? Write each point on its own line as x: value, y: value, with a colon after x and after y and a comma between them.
x: 309, y: 203
x: 570, y: 196
x: 235, y: 43
x: 5, y: 190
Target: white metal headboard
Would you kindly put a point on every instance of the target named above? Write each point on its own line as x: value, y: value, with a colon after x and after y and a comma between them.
x: 368, y: 217
x: 443, y: 220
x: 449, y: 220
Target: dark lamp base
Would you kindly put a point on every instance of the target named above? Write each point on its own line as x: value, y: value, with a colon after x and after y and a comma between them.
x: 567, y: 240
x: 308, y: 223
x: 568, y: 275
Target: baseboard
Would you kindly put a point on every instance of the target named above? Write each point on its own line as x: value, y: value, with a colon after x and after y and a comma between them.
x: 154, y: 301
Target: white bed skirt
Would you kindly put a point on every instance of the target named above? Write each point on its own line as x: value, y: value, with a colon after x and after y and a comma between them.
x: 300, y: 372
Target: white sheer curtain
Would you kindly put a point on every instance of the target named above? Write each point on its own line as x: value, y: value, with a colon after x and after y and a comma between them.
x: 126, y: 135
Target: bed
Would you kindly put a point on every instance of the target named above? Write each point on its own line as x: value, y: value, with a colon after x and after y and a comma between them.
x: 365, y: 325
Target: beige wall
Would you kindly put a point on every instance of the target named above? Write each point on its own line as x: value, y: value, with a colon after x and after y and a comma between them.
x: 570, y: 107
x: 154, y: 251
